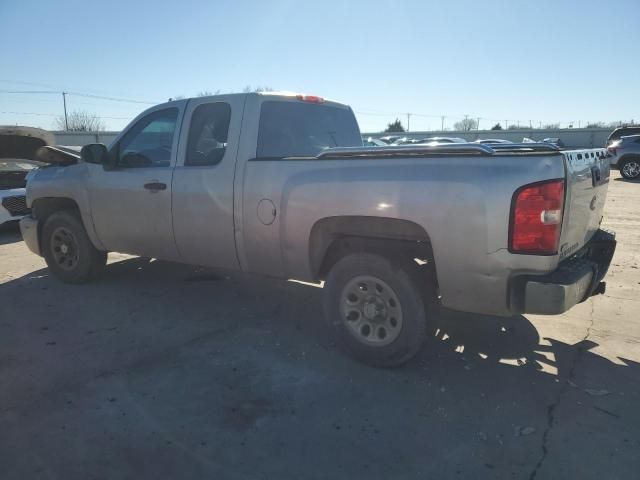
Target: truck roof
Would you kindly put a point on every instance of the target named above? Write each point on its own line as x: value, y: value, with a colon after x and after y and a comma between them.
x: 276, y: 95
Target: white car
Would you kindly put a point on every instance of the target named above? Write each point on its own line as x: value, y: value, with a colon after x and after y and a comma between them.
x: 18, y: 147
x: 13, y: 175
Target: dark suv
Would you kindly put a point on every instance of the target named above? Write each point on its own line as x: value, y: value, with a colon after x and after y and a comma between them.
x: 622, y: 132
x: 624, y: 154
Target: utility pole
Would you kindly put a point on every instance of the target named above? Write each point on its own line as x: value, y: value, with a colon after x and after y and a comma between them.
x: 530, y: 125
x: 442, y: 123
x: 64, y: 102
x: 478, y: 124
x: 408, y: 121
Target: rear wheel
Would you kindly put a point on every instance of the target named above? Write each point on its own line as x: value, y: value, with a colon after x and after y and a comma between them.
x: 375, y: 309
x: 630, y: 169
x: 69, y: 253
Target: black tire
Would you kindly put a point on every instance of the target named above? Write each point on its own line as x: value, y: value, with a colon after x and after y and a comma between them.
x: 630, y: 169
x: 405, y: 286
x: 83, y: 262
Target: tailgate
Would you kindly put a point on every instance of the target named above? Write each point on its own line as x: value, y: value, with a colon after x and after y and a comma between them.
x: 587, y: 174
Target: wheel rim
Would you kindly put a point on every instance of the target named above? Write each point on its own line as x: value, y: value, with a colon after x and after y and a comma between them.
x: 64, y: 248
x: 631, y: 169
x: 371, y: 311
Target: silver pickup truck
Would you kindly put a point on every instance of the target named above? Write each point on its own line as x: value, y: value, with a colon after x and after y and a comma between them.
x: 281, y: 185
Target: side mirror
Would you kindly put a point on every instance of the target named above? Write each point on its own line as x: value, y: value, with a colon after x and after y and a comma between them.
x: 94, y: 153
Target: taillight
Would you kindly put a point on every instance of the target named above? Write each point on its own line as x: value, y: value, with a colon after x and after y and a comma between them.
x: 611, y: 150
x: 310, y: 98
x: 536, y: 218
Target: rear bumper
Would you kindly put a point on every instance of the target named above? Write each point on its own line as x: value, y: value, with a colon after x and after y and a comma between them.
x: 29, y: 230
x: 573, y: 282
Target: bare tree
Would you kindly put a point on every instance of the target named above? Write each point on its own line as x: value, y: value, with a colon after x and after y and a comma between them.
x: 394, y: 127
x: 249, y: 89
x: 207, y: 93
x: 466, y: 125
x: 551, y: 126
x: 80, y: 121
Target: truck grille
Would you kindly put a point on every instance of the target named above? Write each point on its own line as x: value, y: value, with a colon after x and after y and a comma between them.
x: 16, y: 205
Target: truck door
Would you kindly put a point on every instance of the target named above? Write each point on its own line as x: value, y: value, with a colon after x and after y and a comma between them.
x: 203, y: 181
x: 131, y: 204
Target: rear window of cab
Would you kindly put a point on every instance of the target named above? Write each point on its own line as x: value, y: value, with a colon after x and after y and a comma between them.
x: 299, y: 129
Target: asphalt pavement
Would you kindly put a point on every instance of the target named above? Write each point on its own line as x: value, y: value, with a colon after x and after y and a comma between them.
x: 159, y: 370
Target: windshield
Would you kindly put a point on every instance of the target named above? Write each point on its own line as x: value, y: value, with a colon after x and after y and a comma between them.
x: 297, y: 129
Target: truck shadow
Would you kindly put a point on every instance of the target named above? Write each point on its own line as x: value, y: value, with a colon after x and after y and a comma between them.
x: 199, y: 364
x: 10, y: 233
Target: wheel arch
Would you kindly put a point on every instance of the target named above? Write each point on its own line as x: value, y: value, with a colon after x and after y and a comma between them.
x: 333, y: 237
x: 42, y: 208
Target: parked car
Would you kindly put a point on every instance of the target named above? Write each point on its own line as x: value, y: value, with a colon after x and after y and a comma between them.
x: 18, y: 146
x: 625, y: 156
x: 623, y: 132
x: 489, y: 141
x: 554, y: 141
x: 389, y: 139
x: 281, y: 185
x: 441, y: 140
x: 373, y: 142
x: 405, y: 141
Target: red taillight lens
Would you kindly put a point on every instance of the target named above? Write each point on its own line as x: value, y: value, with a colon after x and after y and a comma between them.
x: 536, y: 218
x: 310, y: 98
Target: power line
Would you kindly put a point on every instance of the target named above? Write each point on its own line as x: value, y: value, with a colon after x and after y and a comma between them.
x: 78, y: 94
x: 29, y: 91
x: 56, y: 115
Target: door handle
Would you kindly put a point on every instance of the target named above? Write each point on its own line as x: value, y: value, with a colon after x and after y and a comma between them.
x: 155, y: 186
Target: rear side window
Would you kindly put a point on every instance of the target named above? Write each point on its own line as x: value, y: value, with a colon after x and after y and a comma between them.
x: 297, y: 129
x: 623, y: 132
x: 208, y: 134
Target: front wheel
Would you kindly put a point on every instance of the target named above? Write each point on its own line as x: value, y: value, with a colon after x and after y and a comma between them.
x: 630, y: 169
x: 375, y: 309
x: 69, y: 253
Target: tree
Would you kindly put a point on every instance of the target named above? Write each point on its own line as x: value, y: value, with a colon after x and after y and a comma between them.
x: 497, y: 126
x: 80, y: 121
x: 466, y: 125
x: 551, y: 126
x: 595, y: 125
x: 249, y: 89
x: 395, y: 127
x: 207, y: 93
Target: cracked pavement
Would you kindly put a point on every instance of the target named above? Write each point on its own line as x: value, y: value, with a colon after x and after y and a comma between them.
x: 159, y: 370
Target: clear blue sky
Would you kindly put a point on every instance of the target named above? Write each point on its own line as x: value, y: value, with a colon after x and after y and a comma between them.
x: 545, y: 61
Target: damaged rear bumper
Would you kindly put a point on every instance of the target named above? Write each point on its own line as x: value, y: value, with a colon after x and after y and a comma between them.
x: 575, y: 279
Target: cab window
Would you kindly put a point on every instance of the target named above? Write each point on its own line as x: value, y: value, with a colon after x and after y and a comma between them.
x: 208, y: 134
x: 150, y: 141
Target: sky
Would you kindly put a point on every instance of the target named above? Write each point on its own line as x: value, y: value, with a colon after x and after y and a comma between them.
x: 537, y: 61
